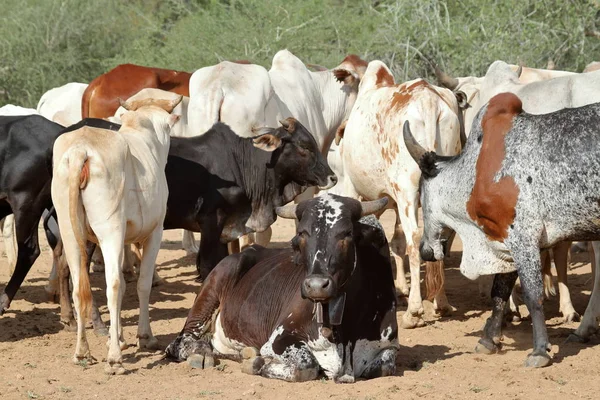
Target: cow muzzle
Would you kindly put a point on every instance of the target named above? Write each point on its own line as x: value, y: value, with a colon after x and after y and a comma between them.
x: 318, y: 288
x: 331, y: 181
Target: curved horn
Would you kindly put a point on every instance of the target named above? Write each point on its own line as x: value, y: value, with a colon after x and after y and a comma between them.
x: 445, y: 80
x: 519, y: 71
x: 289, y: 124
x: 288, y: 212
x: 371, y: 207
x: 176, y: 102
x: 415, y: 150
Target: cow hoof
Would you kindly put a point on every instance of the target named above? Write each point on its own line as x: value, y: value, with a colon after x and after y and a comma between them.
x: 572, y: 317
x: 84, y: 360
x: 157, y: 281
x: 201, y: 361
x: 444, y: 311
x: 249, y: 352
x: 252, y: 366
x: 410, y: 321
x: 69, y: 326
x: 148, y: 343
x: 575, y: 338
x: 115, y: 368
x: 4, y: 303
x: 345, y: 379
x: 538, y: 361
x: 486, y: 346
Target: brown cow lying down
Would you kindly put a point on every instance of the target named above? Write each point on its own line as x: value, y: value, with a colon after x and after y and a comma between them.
x: 328, y: 304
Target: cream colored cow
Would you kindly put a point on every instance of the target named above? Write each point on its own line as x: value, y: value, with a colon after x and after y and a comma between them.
x: 110, y: 188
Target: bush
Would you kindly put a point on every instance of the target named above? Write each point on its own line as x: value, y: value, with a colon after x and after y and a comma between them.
x: 49, y: 43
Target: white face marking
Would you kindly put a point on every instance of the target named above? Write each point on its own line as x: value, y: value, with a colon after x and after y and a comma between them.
x: 331, y: 212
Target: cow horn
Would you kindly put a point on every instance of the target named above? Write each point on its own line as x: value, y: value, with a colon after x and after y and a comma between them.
x: 445, y: 80
x: 415, y: 150
x: 519, y: 71
x: 288, y: 212
x: 176, y: 102
x: 371, y: 207
x: 289, y: 124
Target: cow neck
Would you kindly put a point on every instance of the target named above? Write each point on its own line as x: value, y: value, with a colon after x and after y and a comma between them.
x: 262, y: 185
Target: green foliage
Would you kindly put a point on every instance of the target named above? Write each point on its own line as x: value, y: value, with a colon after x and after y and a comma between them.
x: 47, y: 43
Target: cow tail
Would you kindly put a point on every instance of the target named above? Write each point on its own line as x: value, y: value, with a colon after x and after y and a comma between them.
x: 213, y: 109
x: 434, y: 278
x: 79, y: 174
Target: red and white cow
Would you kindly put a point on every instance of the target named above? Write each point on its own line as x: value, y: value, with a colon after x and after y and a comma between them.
x: 376, y: 162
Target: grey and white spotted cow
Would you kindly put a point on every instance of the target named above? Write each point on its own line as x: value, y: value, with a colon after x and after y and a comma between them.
x: 500, y: 196
x: 327, y: 304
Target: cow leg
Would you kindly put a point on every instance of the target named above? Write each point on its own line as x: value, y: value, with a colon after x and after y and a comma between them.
x: 492, y: 332
x: 10, y: 242
x: 59, y: 265
x: 561, y: 253
x: 72, y: 254
x: 384, y: 364
x: 211, y: 249
x: 112, y: 246
x: 147, y: 266
x: 398, y: 250
x: 528, y: 262
x: 589, y: 323
x: 188, y: 242
x: 294, y: 363
x: 28, y: 250
x: 413, y: 317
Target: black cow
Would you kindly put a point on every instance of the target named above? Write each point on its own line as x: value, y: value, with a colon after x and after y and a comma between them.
x: 226, y: 186
x: 25, y: 175
x: 338, y: 268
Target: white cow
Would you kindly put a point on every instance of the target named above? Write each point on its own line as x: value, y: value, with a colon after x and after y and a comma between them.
x: 471, y: 86
x: 376, y: 162
x: 63, y: 104
x: 110, y: 188
x: 180, y: 128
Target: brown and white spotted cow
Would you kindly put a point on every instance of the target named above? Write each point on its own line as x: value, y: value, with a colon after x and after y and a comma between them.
x: 375, y: 162
x: 499, y: 195
x: 338, y: 268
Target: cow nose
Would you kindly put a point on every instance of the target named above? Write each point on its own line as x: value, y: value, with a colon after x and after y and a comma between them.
x: 331, y: 181
x: 427, y: 253
x: 318, y: 288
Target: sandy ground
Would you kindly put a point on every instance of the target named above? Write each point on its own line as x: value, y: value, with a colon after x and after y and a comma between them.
x: 436, y: 361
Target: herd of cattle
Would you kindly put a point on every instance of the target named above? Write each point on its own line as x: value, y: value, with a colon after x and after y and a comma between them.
x: 509, y: 161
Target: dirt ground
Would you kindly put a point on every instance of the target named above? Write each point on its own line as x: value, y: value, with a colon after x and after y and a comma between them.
x: 436, y: 361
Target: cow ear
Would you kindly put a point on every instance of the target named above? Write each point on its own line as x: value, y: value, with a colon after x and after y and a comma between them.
x: 345, y: 76
x: 461, y: 98
x: 267, y: 142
